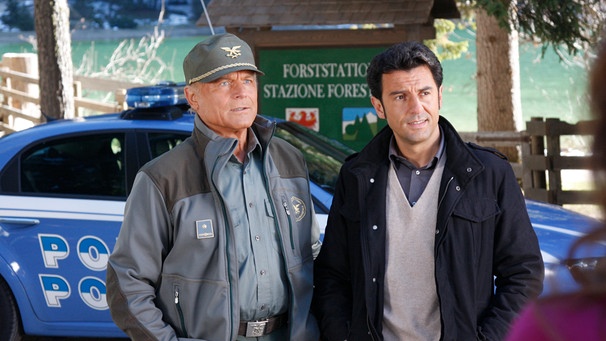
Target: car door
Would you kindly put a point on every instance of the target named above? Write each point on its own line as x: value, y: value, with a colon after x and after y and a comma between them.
x: 59, y: 226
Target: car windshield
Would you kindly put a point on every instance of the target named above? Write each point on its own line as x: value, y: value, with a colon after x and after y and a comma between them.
x: 324, y: 157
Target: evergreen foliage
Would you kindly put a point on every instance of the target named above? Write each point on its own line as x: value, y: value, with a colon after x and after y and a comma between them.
x: 442, y: 46
x: 575, y: 24
x: 18, y: 15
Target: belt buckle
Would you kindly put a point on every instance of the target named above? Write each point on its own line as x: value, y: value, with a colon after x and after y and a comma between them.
x: 256, y: 328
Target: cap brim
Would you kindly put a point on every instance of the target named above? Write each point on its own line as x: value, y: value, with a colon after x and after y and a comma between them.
x: 220, y: 72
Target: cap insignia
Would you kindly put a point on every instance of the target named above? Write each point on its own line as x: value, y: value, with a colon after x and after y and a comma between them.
x: 233, y: 52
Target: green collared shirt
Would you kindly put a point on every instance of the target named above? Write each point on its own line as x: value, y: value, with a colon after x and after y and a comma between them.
x: 262, y: 278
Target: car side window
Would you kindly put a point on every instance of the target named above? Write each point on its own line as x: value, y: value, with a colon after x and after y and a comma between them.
x: 160, y: 143
x: 91, y: 165
x: 323, y: 167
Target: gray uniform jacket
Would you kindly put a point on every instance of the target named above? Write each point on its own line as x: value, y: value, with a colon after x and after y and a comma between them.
x: 173, y: 273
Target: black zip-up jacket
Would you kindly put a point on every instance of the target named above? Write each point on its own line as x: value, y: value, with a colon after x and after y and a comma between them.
x: 487, y: 258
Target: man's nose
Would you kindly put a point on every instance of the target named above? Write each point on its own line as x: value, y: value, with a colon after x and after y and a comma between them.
x: 239, y: 89
x: 416, y: 106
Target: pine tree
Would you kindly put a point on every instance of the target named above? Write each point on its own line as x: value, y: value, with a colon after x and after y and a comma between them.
x: 17, y: 15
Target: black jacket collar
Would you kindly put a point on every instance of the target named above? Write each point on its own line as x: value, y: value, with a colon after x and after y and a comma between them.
x: 460, y: 159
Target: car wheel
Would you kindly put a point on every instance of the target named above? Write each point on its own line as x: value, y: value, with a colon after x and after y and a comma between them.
x: 10, y: 326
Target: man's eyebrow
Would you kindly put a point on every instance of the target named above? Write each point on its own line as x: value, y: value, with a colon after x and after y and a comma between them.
x: 398, y: 92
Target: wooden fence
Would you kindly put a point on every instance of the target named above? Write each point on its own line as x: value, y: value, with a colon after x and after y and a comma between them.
x: 539, y: 172
x: 19, y: 93
x: 542, y: 161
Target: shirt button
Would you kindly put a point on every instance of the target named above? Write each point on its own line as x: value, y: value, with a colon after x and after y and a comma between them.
x: 264, y: 307
x: 374, y: 279
x: 469, y: 170
x: 437, y: 231
x: 417, y: 172
x: 372, y: 180
x: 374, y: 227
x: 257, y: 238
x: 262, y: 272
x: 458, y: 188
x: 250, y: 204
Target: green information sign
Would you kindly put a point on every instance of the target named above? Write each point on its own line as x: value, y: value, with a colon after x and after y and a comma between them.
x: 321, y: 88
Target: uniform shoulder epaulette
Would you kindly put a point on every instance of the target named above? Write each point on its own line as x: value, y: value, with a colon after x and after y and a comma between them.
x: 487, y: 149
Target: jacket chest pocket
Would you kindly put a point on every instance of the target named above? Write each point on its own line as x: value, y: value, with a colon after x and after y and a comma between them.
x: 477, y: 211
x: 473, y: 228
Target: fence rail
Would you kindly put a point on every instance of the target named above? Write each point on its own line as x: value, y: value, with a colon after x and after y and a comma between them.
x: 19, y: 94
x: 543, y: 161
x: 499, y: 139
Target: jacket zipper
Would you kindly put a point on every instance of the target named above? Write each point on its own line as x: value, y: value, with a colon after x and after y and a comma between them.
x: 228, y: 260
x: 370, y: 330
x: 436, y: 250
x: 180, y: 311
x: 445, y: 190
x: 226, y: 222
x: 285, y: 204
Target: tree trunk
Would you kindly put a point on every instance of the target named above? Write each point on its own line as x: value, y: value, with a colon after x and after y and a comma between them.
x: 54, y: 58
x: 498, y: 79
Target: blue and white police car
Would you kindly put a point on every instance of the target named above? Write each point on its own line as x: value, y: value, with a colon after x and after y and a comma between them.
x: 63, y: 187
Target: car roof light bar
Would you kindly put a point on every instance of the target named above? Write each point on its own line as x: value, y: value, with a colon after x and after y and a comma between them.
x: 159, y: 95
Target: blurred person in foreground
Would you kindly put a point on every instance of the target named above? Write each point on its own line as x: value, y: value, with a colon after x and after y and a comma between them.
x: 428, y: 237
x: 578, y: 315
x: 219, y: 233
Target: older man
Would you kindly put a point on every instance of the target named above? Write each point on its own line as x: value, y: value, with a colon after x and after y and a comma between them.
x: 211, y: 247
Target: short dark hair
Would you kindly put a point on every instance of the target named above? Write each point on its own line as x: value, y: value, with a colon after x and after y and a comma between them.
x: 402, y: 56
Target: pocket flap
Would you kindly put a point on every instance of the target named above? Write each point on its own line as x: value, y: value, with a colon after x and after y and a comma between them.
x: 477, y: 210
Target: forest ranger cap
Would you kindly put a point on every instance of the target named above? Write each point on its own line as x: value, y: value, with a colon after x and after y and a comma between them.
x: 217, y: 56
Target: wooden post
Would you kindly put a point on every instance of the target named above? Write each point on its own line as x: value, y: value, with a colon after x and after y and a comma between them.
x: 537, y: 147
x: 6, y: 119
x: 77, y: 94
x: 25, y: 63
x: 552, y: 135
x: 120, y: 96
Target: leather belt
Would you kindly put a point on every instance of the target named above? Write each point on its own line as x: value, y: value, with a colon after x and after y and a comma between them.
x: 262, y: 327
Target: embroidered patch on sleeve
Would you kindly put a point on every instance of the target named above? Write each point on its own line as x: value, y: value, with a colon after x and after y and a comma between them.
x: 299, y: 206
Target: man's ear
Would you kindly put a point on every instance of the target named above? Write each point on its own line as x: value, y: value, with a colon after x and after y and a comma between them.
x: 192, y: 97
x: 440, y: 97
x: 376, y: 103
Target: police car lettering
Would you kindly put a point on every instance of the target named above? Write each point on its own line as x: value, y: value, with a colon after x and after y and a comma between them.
x: 93, y: 254
x: 54, y: 248
x: 55, y: 289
